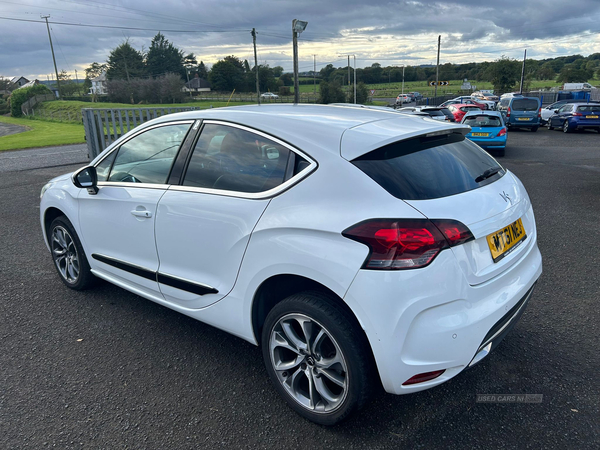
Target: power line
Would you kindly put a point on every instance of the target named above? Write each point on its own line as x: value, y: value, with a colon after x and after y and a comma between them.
x: 122, y: 28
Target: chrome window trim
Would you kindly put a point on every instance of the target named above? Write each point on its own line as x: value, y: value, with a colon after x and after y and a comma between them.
x: 312, y: 166
x: 137, y: 133
x: 133, y: 185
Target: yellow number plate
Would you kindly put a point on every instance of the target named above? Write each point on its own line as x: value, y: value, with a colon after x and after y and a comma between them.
x: 504, y: 241
x: 480, y: 134
x: 523, y: 118
x: 591, y: 117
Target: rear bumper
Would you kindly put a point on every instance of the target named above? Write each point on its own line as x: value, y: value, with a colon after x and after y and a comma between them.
x: 489, y: 143
x: 431, y: 319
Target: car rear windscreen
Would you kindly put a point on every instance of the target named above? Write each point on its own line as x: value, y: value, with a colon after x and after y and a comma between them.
x: 588, y: 108
x: 425, y: 168
x: 524, y: 104
x: 433, y: 112
x: 482, y: 121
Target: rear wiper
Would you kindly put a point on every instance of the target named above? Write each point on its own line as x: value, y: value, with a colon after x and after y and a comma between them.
x: 488, y: 173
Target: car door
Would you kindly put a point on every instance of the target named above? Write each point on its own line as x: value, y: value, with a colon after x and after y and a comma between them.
x: 204, y: 225
x: 563, y: 112
x: 117, y: 223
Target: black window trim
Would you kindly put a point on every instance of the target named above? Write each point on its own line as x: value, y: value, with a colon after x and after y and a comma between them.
x: 288, y: 183
x: 143, y: 130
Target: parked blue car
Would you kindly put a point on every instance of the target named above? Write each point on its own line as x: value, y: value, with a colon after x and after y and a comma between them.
x: 487, y: 130
x: 576, y: 116
x: 520, y: 112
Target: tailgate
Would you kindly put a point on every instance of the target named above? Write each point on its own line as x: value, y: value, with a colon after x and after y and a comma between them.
x: 485, y: 211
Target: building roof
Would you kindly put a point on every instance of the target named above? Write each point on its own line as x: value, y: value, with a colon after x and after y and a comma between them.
x: 101, y: 77
x: 15, y: 80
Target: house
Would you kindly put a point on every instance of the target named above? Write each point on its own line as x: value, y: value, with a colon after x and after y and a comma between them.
x: 196, y: 84
x: 99, y: 85
x: 19, y: 81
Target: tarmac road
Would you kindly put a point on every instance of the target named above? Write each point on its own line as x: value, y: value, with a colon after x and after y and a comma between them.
x: 108, y: 369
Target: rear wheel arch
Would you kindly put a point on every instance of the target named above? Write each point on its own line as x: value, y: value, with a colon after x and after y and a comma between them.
x: 279, y: 287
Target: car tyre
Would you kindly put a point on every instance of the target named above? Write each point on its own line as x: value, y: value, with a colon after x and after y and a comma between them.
x: 318, y: 360
x: 566, y: 128
x: 534, y: 129
x: 549, y: 125
x: 68, y: 255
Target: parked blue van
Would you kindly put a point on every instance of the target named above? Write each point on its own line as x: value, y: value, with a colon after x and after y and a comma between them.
x: 520, y: 112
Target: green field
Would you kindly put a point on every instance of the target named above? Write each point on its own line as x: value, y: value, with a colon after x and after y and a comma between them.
x: 70, y: 111
x: 41, y: 134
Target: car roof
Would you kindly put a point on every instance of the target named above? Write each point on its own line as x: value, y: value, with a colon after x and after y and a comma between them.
x: 484, y: 113
x: 323, y: 126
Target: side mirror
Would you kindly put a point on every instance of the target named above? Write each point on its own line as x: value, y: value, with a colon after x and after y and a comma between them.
x: 556, y: 110
x: 87, y: 178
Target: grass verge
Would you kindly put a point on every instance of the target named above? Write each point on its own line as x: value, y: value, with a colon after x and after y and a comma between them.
x: 41, y: 134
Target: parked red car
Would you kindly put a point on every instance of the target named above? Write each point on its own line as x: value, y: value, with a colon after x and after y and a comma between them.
x: 459, y: 110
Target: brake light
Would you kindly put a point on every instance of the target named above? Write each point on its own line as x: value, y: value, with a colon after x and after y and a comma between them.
x: 502, y: 132
x: 577, y: 114
x: 406, y: 244
x: 508, y: 112
x: 540, y: 112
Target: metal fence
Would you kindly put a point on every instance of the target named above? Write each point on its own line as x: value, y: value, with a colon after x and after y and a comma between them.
x: 103, y: 126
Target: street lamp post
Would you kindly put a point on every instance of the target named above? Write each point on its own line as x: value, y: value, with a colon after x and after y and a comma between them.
x: 298, y: 26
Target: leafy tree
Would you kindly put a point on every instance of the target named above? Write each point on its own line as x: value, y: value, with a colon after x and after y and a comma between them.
x: 125, y: 62
x: 362, y: 94
x: 545, y: 72
x: 287, y: 79
x: 277, y: 71
x: 67, y: 86
x: 202, y: 72
x: 331, y: 92
x: 6, y: 85
x: 504, y: 74
x: 228, y: 74
x: 266, y: 78
x: 163, y: 57
x: 94, y: 70
x: 327, y: 71
x: 571, y: 74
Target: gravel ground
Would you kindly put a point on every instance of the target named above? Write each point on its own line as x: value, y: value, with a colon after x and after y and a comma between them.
x: 108, y: 369
x: 9, y: 128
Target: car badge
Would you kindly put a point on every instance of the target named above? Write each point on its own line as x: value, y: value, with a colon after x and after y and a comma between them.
x: 506, y: 197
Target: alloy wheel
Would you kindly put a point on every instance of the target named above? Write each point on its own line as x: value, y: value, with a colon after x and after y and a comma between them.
x: 64, y: 253
x: 308, y: 363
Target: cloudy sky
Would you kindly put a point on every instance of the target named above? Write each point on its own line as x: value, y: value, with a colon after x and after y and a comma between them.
x: 389, y: 32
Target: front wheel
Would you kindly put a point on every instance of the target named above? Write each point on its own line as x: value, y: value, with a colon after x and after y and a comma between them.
x: 68, y: 255
x: 549, y: 125
x: 566, y: 128
x: 318, y: 360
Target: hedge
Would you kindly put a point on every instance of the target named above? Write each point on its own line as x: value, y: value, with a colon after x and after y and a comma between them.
x: 20, y: 96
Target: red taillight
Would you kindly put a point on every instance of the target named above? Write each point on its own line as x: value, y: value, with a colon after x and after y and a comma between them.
x: 577, y: 114
x: 502, y: 132
x: 508, y: 112
x: 422, y: 377
x: 540, y: 112
x: 406, y: 244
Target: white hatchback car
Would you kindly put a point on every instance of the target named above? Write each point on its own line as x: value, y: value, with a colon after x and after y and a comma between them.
x: 357, y: 247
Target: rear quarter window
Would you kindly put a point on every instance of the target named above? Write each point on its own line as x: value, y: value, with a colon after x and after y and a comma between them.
x: 425, y: 168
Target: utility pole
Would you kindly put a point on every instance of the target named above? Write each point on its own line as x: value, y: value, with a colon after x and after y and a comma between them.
x: 77, y: 82
x: 348, y: 75
x: 256, y: 65
x: 354, y: 56
x: 298, y: 26
x: 315, y: 74
x: 53, y: 59
x: 437, y: 67
x: 523, y: 72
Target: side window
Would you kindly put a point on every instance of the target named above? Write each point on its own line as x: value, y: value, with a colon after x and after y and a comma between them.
x: 103, y: 168
x: 565, y: 108
x: 231, y: 159
x: 148, y: 157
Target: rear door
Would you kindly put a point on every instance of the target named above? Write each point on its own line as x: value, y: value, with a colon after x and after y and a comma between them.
x: 524, y: 111
x: 204, y: 225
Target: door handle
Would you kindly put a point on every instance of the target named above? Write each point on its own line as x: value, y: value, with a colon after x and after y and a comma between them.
x: 143, y: 213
